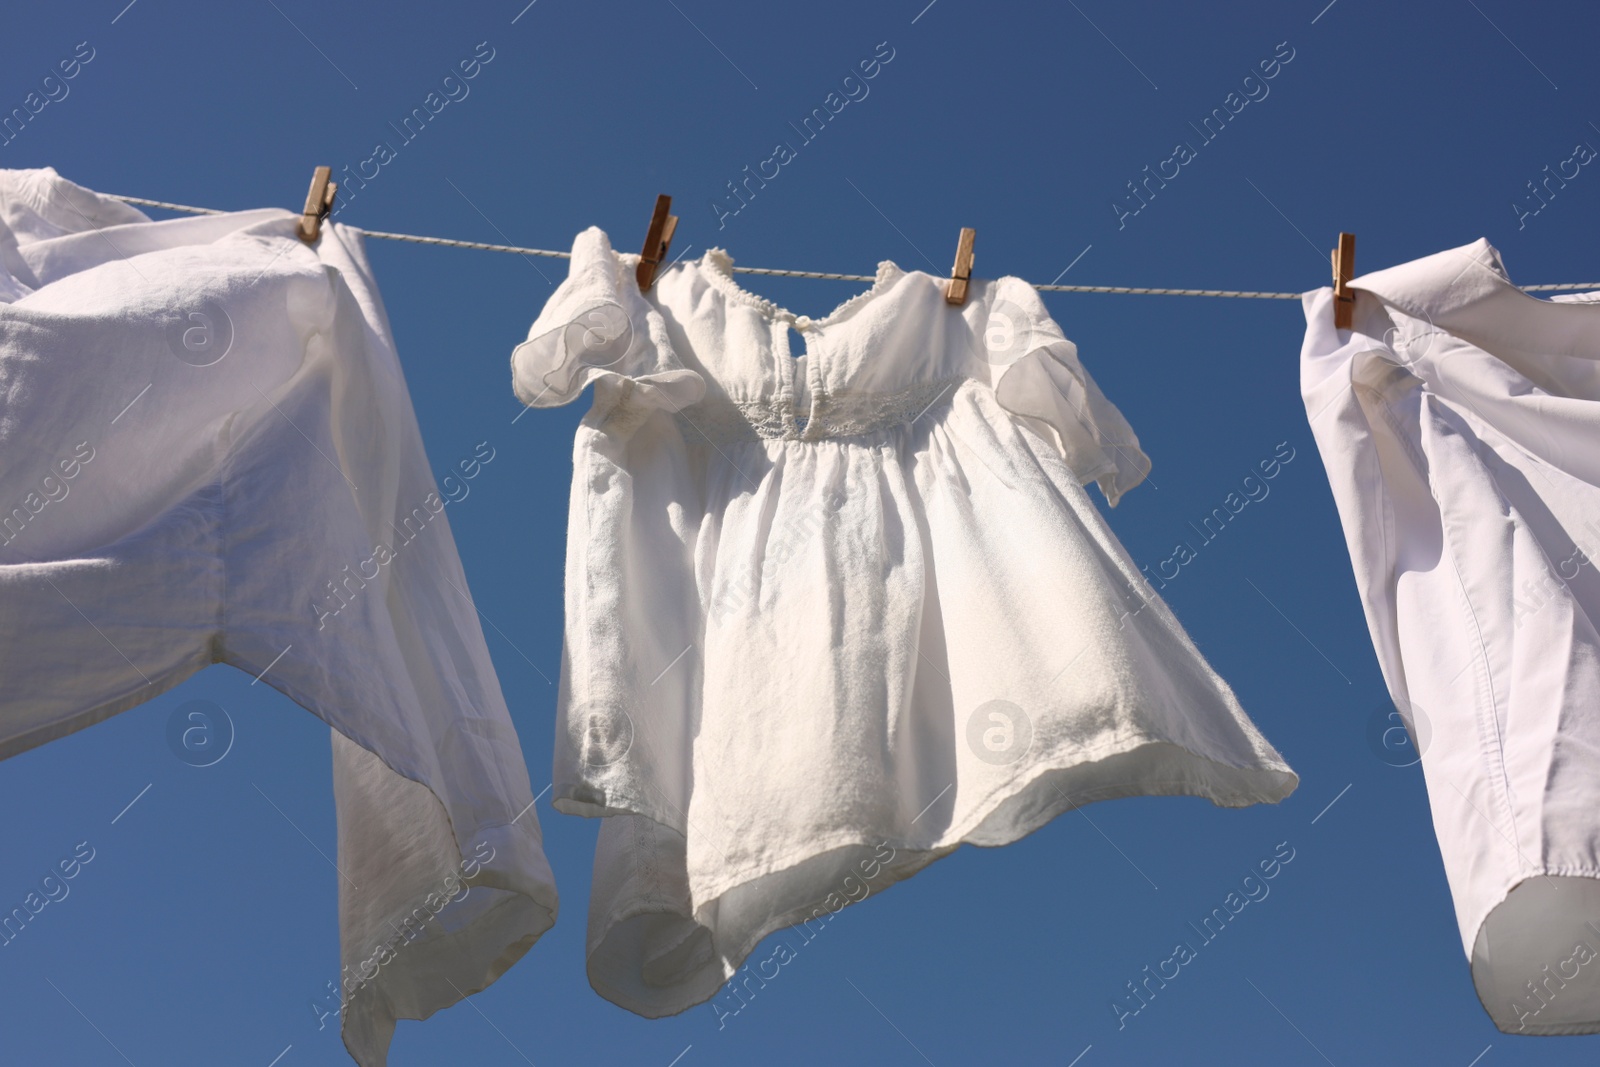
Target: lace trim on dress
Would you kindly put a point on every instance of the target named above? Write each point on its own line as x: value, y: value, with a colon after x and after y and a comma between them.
x: 721, y: 420
x: 717, y: 267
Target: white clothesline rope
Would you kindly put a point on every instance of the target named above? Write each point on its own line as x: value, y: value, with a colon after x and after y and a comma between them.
x: 481, y: 246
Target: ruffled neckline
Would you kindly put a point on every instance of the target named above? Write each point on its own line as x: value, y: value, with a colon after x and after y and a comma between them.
x: 717, y: 267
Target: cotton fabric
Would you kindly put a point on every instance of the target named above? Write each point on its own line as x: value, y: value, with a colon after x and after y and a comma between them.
x: 208, y: 455
x: 1459, y: 421
x: 831, y: 615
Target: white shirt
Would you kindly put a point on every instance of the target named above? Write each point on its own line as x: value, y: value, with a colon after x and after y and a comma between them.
x: 210, y: 456
x: 1459, y: 422
x: 831, y: 616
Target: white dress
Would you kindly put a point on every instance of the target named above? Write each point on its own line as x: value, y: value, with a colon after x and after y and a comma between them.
x: 208, y: 455
x: 1459, y: 422
x: 831, y: 616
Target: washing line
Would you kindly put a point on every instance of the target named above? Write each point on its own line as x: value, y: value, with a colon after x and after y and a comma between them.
x: 772, y: 272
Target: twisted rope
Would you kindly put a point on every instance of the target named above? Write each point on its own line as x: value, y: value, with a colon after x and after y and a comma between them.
x: 481, y: 246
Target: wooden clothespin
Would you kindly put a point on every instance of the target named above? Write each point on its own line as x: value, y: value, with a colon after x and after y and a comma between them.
x: 1344, y: 268
x: 319, y: 202
x: 956, y: 291
x: 657, y: 242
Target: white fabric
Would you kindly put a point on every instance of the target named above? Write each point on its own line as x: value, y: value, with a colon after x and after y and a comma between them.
x: 204, y: 439
x: 1459, y: 421
x: 830, y: 616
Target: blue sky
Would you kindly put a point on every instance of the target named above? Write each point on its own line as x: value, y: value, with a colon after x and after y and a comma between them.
x: 205, y: 924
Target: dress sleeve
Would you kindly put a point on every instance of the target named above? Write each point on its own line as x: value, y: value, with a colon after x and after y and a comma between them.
x: 597, y: 327
x: 1036, y: 375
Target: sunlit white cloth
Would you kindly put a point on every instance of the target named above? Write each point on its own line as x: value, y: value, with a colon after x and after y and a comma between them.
x: 831, y: 615
x: 208, y: 455
x: 1459, y: 421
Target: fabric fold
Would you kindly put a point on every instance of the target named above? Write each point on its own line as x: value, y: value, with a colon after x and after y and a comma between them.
x: 591, y: 332
x: 1048, y: 385
x: 848, y: 611
x: 1458, y: 420
x: 208, y: 454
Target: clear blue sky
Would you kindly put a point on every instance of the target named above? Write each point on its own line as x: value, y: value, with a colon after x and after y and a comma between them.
x: 206, y: 922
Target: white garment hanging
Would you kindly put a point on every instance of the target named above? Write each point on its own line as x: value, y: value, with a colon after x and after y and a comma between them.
x: 830, y: 616
x: 1459, y: 421
x: 208, y: 455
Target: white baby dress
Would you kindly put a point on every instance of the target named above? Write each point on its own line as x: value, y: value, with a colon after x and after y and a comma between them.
x: 208, y: 455
x: 831, y: 616
x: 1459, y: 421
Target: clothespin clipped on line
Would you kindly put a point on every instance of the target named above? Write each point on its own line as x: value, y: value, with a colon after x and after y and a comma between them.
x: 319, y: 202
x: 956, y: 290
x: 1344, y: 268
x: 657, y: 242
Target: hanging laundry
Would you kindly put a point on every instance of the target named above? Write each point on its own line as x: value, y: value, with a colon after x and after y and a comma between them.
x: 831, y: 615
x: 1459, y: 421
x: 210, y: 456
